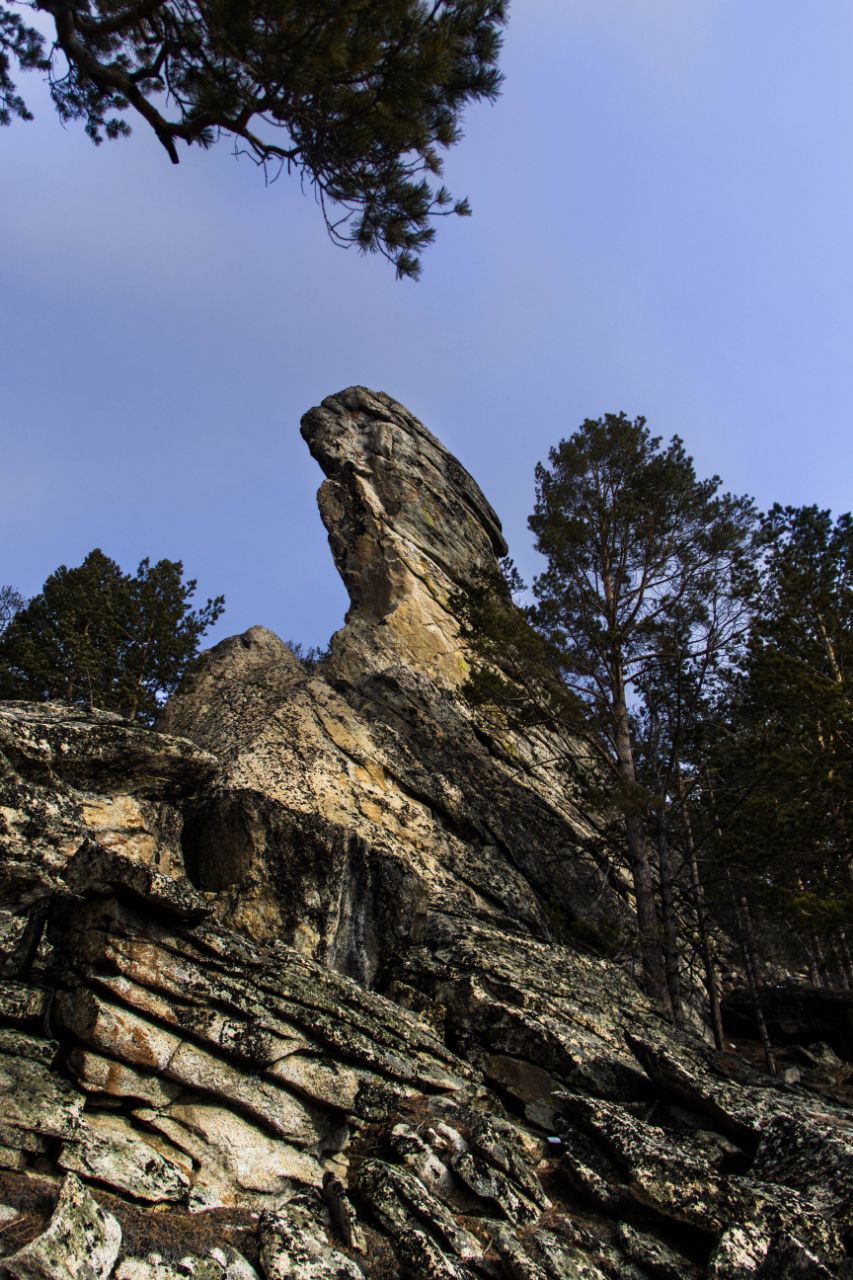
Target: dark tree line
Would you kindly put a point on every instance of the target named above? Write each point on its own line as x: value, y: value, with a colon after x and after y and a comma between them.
x: 688, y: 660
x: 775, y: 779
x: 98, y: 637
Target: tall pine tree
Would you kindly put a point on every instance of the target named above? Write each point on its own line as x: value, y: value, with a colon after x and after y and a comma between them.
x: 637, y: 548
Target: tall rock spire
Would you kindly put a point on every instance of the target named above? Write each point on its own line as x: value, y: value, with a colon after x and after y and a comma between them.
x: 407, y: 525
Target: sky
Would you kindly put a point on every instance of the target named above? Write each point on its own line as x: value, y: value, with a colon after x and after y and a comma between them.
x: 663, y: 224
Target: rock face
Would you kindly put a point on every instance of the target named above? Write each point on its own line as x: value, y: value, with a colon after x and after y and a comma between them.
x: 407, y: 525
x: 369, y: 784
x: 314, y: 981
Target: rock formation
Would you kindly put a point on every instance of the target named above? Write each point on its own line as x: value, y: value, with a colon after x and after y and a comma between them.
x: 314, y: 981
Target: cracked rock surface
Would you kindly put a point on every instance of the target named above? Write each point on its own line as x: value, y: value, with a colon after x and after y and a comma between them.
x: 306, y: 983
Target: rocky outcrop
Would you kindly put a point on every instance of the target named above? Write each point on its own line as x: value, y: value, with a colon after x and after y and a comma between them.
x: 318, y: 980
x: 367, y: 786
x: 67, y: 777
x: 408, y: 527
x: 81, y: 1240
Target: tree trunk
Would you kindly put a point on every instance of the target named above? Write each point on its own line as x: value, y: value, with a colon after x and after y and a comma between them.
x: 749, y: 950
x: 819, y: 961
x: 670, y: 928
x: 811, y: 966
x: 845, y: 959
x: 712, y: 986
x: 638, y: 859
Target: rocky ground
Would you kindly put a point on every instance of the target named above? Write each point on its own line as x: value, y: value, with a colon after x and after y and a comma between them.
x: 313, y: 982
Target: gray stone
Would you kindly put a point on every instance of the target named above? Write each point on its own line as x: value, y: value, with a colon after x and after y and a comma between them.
x: 53, y: 743
x: 403, y: 1205
x: 263, y: 935
x: 107, y: 1149
x: 597, y: 1248
x: 233, y: 1154
x: 422, y: 1259
x: 342, y: 1213
x: 81, y: 1241
x: 35, y: 1099
x: 790, y: 1259
x: 365, y: 791
x: 18, y: 1044
x: 320, y: 1079
x: 424, y: 1158
x: 562, y: 1260
x: 153, y: 1267
x: 515, y: 1259
x: 110, y: 1027
x: 825, y: 1056
x: 406, y: 523
x: 493, y: 1186
x: 499, y: 1143
x: 220, y: 1263
x: 23, y: 1139
x: 295, y: 1246
x: 815, y: 1158
x: 739, y: 1253
x: 20, y: 1002
x: 234, y: 1265
x: 692, y: 1073
x: 97, y: 1074
x: 655, y: 1255
x: 96, y: 870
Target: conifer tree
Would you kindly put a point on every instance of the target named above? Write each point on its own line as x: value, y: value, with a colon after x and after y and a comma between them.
x: 637, y: 606
x: 783, y: 758
x: 98, y: 637
x: 11, y: 602
x: 636, y: 547
x: 359, y: 97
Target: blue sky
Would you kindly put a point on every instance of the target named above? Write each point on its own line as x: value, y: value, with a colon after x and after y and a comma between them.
x: 663, y: 224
